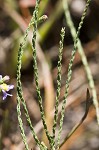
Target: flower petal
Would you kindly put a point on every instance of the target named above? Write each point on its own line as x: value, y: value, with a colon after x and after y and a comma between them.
x: 10, y: 87
x: 9, y: 94
x: 6, y: 78
x: 4, y: 95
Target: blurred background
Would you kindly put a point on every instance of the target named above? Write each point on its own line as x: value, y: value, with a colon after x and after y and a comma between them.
x: 14, y: 19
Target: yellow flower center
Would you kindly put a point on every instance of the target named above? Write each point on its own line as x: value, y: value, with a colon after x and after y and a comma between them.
x: 4, y: 87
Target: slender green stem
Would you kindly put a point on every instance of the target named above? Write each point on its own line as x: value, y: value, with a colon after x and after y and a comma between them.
x: 59, y: 66
x: 35, y: 67
x: 21, y: 123
x: 69, y: 74
x: 20, y: 94
x: 83, y: 57
x: 19, y: 86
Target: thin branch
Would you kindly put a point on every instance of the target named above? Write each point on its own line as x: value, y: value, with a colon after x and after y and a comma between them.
x: 69, y: 74
x: 59, y: 66
x: 83, y: 57
x: 35, y: 67
x: 19, y: 85
x: 21, y: 124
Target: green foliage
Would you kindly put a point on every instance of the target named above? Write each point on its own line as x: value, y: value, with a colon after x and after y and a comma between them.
x: 53, y: 145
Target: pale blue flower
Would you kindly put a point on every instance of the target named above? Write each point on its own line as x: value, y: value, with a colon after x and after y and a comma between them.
x: 5, y: 87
